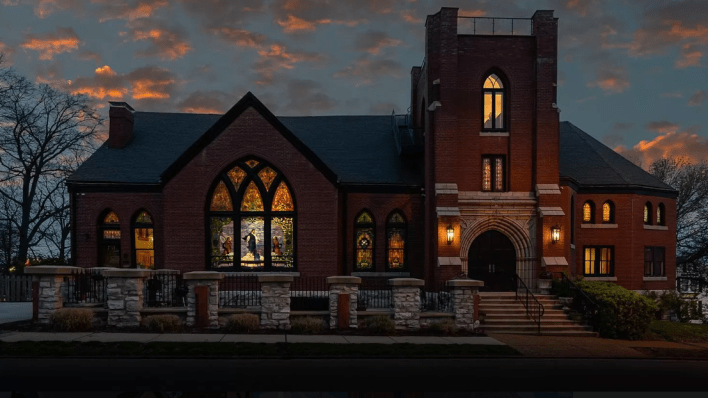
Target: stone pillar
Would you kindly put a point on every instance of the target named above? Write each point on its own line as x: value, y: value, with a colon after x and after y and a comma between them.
x: 343, y: 285
x: 210, y: 279
x: 275, y: 301
x: 50, y: 280
x: 463, y: 293
x: 406, y: 302
x: 125, y: 296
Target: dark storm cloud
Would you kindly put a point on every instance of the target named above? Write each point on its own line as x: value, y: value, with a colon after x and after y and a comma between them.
x: 167, y: 42
x: 372, y: 41
x: 307, y: 96
x: 366, y: 71
x: 697, y: 98
x: 211, y: 101
x: 50, y: 44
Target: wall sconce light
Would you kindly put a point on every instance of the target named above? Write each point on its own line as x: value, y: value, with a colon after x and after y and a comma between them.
x: 450, y: 234
x: 555, y: 234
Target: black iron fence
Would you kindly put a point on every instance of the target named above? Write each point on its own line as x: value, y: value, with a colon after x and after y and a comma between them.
x: 374, y: 292
x: 436, y: 298
x: 165, y: 289
x: 15, y: 287
x: 239, y: 291
x: 86, y: 286
x: 309, y: 294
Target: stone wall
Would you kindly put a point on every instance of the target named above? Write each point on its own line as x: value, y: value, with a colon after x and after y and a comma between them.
x: 406, y: 302
x: 211, y: 280
x: 343, y: 285
x: 275, y: 301
x: 51, y: 283
x: 125, y: 296
x: 463, y: 292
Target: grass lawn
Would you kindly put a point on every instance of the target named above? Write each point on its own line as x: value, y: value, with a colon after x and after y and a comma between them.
x: 160, y: 349
x: 678, y: 332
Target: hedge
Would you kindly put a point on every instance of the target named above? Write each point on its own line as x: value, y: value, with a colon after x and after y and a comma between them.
x: 624, y: 314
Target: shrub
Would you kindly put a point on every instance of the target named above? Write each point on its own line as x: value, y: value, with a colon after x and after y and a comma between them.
x: 560, y: 289
x: 72, y: 319
x: 624, y: 314
x: 241, y: 323
x: 307, y: 325
x: 444, y: 327
x: 672, y: 304
x: 379, y: 324
x: 164, y: 323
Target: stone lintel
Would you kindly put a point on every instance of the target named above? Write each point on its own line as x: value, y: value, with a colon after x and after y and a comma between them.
x: 208, y: 275
x: 554, y: 261
x: 350, y: 280
x: 448, y: 211
x: 465, y: 283
x: 126, y: 273
x: 449, y: 261
x: 551, y: 211
x: 406, y: 282
x: 547, y: 189
x: 276, y: 278
x: 50, y: 270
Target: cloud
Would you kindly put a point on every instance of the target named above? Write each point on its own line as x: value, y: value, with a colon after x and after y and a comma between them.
x: 306, y: 97
x: 697, y: 98
x: 211, y: 101
x: 128, y: 9
x: 105, y: 84
x: 295, y: 24
x: 672, y: 141
x: 216, y: 14
x: 44, y: 8
x: 276, y: 57
x: 152, y: 82
x: 91, y: 56
x: 366, y: 72
x: 146, y: 83
x: 240, y: 37
x: 167, y: 43
x: 51, y: 44
x: 372, y: 41
x: 611, y: 80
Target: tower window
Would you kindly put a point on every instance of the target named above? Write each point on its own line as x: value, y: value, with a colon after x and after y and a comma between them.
x: 493, y: 173
x: 493, y: 103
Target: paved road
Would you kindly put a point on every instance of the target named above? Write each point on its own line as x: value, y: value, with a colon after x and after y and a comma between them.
x: 378, y: 374
x: 12, y: 312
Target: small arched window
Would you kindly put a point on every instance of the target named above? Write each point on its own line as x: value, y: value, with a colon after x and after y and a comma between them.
x: 396, y: 242
x: 660, y: 214
x: 364, y: 242
x: 493, y: 103
x: 143, y: 241
x: 647, y: 213
x: 608, y: 212
x: 588, y: 212
x: 109, y: 240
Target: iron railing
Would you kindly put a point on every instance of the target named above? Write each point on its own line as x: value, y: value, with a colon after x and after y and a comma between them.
x: 374, y: 292
x: 15, y: 287
x: 493, y: 26
x: 534, y: 309
x: 309, y: 294
x: 239, y: 291
x: 165, y: 289
x: 582, y: 302
x: 86, y: 286
x: 436, y: 298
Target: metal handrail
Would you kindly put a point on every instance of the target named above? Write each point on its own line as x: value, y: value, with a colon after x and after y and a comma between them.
x: 534, y: 309
x: 581, y: 301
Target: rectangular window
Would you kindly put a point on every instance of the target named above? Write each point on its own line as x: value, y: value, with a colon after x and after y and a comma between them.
x: 493, y: 173
x: 654, y: 261
x: 598, y: 261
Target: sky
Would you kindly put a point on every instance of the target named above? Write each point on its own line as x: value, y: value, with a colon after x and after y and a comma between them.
x: 631, y: 73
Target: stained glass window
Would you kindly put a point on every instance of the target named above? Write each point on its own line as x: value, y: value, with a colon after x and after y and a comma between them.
x: 660, y: 214
x: 252, y: 199
x: 493, y: 173
x: 144, y: 218
x: 143, y: 241
x: 364, y: 242
x: 493, y: 107
x: 109, y: 240
x: 364, y: 218
x: 498, y: 175
x: 486, y: 174
x: 647, y: 213
x: 587, y: 212
x: 606, y: 212
x: 111, y: 218
x: 258, y: 233
x: 111, y: 234
x: 221, y: 200
x: 396, y: 240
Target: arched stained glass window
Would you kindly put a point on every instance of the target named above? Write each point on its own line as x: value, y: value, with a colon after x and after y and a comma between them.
x: 143, y: 241
x: 258, y: 234
x: 396, y: 230
x: 608, y: 210
x: 364, y: 242
x: 660, y: 214
x: 647, y: 213
x: 109, y: 240
x: 588, y: 212
x: 493, y: 103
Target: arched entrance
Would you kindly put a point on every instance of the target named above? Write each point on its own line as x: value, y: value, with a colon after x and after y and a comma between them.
x: 492, y: 259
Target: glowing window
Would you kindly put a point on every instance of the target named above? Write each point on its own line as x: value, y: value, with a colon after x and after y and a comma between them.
x: 493, y: 98
x: 588, y: 210
x: 607, y: 212
x: 109, y: 240
x: 647, y: 213
x: 364, y: 242
x: 396, y: 242
x: 493, y: 173
x: 598, y: 261
x: 143, y: 241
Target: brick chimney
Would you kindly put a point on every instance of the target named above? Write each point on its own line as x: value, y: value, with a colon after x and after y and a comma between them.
x: 120, y: 130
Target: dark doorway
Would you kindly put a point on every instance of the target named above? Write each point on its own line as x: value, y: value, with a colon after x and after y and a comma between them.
x: 492, y: 259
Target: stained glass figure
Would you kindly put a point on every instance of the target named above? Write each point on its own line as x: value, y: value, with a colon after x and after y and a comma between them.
x: 252, y: 199
x: 267, y: 175
x: 143, y: 218
x: 111, y: 218
x: 282, y: 201
x: 222, y: 242
x: 252, y: 244
x: 252, y: 163
x: 236, y: 175
x: 221, y: 200
x: 396, y: 248
x: 281, y: 248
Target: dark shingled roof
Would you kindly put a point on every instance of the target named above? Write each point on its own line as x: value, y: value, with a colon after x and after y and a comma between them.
x: 359, y: 149
x: 591, y: 164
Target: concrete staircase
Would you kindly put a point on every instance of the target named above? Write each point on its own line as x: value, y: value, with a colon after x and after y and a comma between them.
x: 500, y: 312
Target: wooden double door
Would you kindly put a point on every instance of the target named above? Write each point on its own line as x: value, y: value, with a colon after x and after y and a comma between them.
x: 492, y: 259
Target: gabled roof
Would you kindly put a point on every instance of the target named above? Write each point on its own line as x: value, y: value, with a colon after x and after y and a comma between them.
x: 592, y: 165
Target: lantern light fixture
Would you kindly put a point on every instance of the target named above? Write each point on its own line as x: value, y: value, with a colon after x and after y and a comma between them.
x: 450, y: 234
x: 555, y: 234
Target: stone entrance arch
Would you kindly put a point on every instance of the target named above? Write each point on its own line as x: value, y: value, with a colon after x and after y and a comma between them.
x: 520, y: 234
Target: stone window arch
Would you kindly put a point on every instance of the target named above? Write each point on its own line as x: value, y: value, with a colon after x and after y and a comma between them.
x: 109, y: 239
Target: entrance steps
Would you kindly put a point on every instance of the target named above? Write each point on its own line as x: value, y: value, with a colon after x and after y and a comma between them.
x: 501, y: 312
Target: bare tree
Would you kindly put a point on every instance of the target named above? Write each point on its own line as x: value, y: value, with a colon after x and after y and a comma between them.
x: 43, y: 132
x: 691, y: 180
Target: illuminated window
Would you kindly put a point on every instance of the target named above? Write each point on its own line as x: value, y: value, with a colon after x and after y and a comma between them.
x: 109, y: 240
x: 647, y: 213
x: 493, y: 173
x: 588, y: 212
x: 654, y: 261
x: 608, y: 212
x: 493, y: 103
x: 364, y: 242
x: 598, y: 261
x: 251, y: 220
x: 395, y: 242
x: 143, y: 241
x: 660, y: 214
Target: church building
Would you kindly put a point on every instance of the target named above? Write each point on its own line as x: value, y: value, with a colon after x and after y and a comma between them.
x: 479, y: 179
